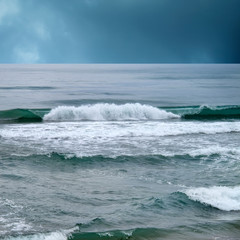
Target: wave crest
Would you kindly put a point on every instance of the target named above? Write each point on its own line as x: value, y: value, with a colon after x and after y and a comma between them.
x: 223, y: 198
x: 108, y: 112
x: 211, y: 112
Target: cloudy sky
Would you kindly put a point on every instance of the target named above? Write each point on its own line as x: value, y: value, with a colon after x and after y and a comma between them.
x: 120, y: 31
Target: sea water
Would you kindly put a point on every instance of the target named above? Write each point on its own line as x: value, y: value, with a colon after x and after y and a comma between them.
x: 119, y: 152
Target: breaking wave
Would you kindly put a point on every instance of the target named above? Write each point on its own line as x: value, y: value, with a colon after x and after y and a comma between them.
x: 124, y: 112
x: 223, y: 198
x: 108, y: 112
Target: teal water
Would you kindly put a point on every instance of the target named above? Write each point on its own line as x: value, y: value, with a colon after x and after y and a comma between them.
x: 119, y: 152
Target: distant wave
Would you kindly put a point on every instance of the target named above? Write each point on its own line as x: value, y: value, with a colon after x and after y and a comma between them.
x: 108, y: 112
x: 223, y: 198
x: 124, y: 112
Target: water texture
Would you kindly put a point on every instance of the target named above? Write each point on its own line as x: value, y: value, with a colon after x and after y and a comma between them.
x: 112, y: 152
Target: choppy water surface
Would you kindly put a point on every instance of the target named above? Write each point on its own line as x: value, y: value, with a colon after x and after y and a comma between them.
x: 119, y: 152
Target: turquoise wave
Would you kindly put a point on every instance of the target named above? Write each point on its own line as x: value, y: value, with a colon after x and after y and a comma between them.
x: 203, y: 112
x: 204, y: 231
x: 22, y: 115
x: 138, y: 233
x: 194, y: 231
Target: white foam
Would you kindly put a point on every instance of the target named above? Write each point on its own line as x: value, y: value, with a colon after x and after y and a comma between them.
x: 11, y: 221
x: 118, y: 129
x: 108, y: 112
x: 121, y: 138
x: 10, y: 203
x: 48, y: 236
x: 106, y: 234
x: 223, y: 198
x: 211, y: 150
x: 57, y: 235
x: 19, y: 225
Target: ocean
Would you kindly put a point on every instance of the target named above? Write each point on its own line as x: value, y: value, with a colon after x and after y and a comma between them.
x: 120, y: 151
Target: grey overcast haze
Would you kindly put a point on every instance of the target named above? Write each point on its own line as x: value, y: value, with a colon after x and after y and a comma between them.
x: 120, y: 31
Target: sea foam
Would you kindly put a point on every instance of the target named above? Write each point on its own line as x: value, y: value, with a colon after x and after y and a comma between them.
x: 223, y: 198
x: 108, y: 112
x: 10, y: 220
x: 122, y: 138
x: 57, y: 235
x: 47, y: 236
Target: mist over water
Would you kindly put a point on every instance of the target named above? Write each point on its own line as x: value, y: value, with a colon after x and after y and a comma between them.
x: 119, y: 152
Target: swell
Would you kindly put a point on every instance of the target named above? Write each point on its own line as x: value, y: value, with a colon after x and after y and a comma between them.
x: 137, y: 233
x: 124, y: 112
x: 205, y: 112
x: 22, y: 115
x: 204, y: 231
x: 70, y: 158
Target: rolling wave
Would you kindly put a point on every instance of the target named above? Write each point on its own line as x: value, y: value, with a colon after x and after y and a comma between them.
x: 206, y: 112
x: 223, y: 198
x: 108, y: 112
x: 194, y: 231
x: 22, y: 115
x: 146, y: 159
x: 137, y: 233
x: 124, y: 112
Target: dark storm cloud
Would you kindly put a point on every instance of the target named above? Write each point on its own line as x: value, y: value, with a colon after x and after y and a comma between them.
x: 120, y: 31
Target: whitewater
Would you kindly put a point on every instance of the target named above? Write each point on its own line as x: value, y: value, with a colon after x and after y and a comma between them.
x: 112, y: 152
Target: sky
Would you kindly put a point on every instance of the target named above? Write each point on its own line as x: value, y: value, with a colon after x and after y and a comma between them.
x: 120, y: 31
